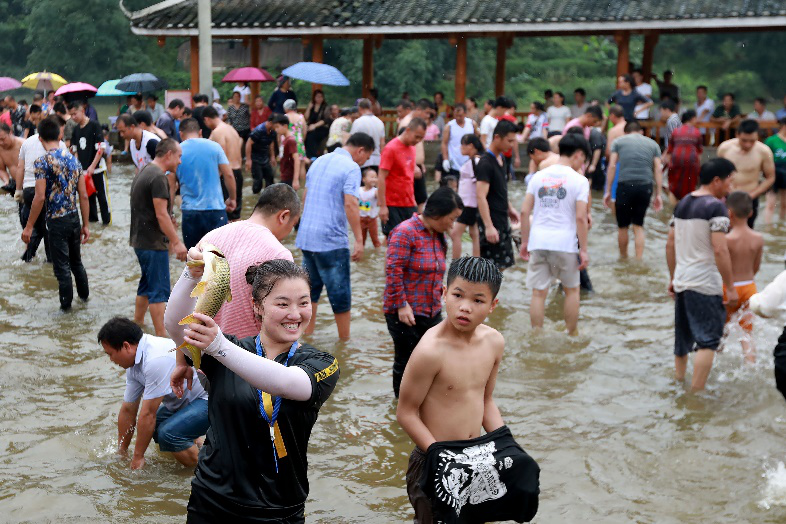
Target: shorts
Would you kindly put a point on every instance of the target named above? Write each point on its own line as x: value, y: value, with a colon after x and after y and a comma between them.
x: 330, y: 269
x: 417, y: 497
x: 397, y: 215
x: 469, y: 216
x: 197, y: 224
x: 176, y: 430
x: 546, y: 265
x: 698, y: 322
x: 500, y: 253
x: 238, y: 174
x: 419, y: 185
x: 632, y: 203
x: 780, y: 177
x: 154, y: 283
x: 745, y: 290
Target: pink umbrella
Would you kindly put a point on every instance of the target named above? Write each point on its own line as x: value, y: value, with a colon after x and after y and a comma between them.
x: 7, y: 83
x: 248, y: 74
x: 76, y: 87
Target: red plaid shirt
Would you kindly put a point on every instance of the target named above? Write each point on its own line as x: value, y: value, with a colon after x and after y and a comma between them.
x: 415, y: 269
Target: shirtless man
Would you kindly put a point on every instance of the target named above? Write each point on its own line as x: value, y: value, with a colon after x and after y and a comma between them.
x: 225, y: 135
x: 9, y: 156
x: 541, y: 155
x: 447, y: 389
x: 751, y: 158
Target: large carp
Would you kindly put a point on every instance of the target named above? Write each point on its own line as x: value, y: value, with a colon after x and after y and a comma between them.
x: 212, y: 290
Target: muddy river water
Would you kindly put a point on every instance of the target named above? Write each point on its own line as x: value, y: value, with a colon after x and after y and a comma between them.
x: 617, y: 439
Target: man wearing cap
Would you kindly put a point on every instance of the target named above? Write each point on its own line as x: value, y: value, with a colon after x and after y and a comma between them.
x: 282, y: 93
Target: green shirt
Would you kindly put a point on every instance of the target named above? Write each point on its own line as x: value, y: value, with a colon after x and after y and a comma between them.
x: 778, y: 146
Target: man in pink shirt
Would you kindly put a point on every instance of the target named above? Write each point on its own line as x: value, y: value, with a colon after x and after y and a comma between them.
x: 591, y: 118
x: 248, y: 243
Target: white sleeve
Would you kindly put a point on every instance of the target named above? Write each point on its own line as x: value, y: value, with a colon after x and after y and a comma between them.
x: 262, y: 373
x: 180, y: 305
x: 767, y: 302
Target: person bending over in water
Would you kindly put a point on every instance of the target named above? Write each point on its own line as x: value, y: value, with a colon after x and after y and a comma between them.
x: 447, y: 395
x: 265, y: 395
x: 174, y: 423
x: 745, y: 249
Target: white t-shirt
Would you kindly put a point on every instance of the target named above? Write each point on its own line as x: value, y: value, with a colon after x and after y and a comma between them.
x: 708, y: 105
x: 368, y: 202
x: 372, y: 126
x: 140, y: 153
x: 644, y: 89
x: 558, y: 117
x: 537, y: 124
x: 32, y: 149
x: 556, y: 190
x: 487, y: 126
x: 245, y: 93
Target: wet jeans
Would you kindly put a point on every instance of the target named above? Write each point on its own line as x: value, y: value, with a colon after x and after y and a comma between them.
x: 405, y: 338
x: 39, y: 229
x: 65, y: 248
x: 176, y: 430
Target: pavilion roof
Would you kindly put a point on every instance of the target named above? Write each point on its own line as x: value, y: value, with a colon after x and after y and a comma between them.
x: 423, y: 18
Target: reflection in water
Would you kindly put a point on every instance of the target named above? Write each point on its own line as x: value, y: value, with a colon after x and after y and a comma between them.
x: 617, y: 439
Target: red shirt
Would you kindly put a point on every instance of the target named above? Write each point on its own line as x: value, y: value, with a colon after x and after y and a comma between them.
x: 399, y: 161
x: 257, y: 118
x: 287, y: 165
x: 509, y: 118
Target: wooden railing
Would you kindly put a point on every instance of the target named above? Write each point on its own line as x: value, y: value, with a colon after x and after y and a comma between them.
x: 714, y: 135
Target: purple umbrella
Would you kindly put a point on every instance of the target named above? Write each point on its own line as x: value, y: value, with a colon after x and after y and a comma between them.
x: 248, y: 74
x: 7, y: 83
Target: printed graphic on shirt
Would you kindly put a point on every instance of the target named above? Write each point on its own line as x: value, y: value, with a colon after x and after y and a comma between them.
x: 364, y: 205
x: 552, y: 192
x: 328, y: 371
x: 472, y: 476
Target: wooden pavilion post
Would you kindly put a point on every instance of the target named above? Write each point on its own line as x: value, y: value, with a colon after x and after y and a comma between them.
x: 254, y: 63
x: 650, y: 41
x: 317, y: 55
x: 194, y: 65
x: 368, y: 66
x: 623, y: 52
x: 461, y: 68
x: 502, y: 47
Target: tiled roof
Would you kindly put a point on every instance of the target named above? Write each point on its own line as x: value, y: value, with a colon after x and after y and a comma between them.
x: 305, y: 17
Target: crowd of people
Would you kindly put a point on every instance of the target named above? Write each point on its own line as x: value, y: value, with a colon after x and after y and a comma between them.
x: 259, y: 388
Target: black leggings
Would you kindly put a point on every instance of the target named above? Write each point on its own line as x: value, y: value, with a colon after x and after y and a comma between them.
x: 405, y: 338
x: 99, y: 200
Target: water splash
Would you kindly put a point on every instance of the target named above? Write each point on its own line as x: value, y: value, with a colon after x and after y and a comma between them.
x: 775, y: 490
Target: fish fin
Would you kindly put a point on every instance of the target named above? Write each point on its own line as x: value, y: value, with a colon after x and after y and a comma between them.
x: 190, y: 319
x: 196, y: 356
x: 195, y: 263
x: 229, y: 296
x: 199, y: 289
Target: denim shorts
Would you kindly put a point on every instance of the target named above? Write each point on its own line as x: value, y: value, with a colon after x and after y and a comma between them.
x: 698, y: 322
x: 331, y: 270
x: 154, y: 283
x: 176, y: 430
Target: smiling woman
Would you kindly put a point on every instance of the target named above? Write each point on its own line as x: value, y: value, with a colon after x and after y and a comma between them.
x: 265, y: 395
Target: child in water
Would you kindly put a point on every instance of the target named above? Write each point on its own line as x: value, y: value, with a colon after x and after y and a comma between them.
x: 446, y: 397
x: 369, y: 210
x: 745, y: 248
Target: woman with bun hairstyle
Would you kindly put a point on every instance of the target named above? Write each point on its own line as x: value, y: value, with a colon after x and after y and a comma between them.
x: 265, y: 395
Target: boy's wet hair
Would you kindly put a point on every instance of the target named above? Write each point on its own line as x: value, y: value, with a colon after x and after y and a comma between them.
x: 476, y: 270
x: 740, y: 203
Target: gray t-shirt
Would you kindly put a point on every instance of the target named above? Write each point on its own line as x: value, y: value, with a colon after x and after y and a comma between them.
x: 149, y: 376
x: 637, y: 154
x: 373, y: 127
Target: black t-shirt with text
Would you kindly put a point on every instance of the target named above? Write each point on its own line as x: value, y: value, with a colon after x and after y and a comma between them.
x: 489, y: 170
x: 236, y: 464
x: 84, y: 141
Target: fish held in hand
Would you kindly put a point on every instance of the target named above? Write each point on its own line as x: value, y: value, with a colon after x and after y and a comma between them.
x: 211, y: 292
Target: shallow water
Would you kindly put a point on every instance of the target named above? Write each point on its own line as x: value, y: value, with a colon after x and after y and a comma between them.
x: 617, y: 439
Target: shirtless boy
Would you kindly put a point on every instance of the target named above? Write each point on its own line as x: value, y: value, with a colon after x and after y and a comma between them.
x: 751, y: 158
x: 9, y: 155
x: 446, y: 392
x: 745, y: 248
x: 225, y: 135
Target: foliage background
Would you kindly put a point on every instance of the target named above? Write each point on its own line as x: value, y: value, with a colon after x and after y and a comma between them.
x: 90, y: 40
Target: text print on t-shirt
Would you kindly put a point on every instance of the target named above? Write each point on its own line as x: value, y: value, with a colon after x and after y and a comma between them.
x: 551, y: 192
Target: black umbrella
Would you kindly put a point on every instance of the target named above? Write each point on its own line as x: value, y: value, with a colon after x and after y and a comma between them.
x: 141, y: 83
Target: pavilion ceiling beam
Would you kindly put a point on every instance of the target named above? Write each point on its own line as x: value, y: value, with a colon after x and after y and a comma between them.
x: 194, y: 52
x: 254, y: 43
x: 503, y: 43
x: 317, y: 55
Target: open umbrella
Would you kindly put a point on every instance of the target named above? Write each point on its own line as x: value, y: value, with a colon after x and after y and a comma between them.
x: 141, y: 83
x: 316, y: 73
x: 76, y: 91
x: 44, y: 81
x: 7, y: 83
x: 109, y: 88
x: 248, y: 74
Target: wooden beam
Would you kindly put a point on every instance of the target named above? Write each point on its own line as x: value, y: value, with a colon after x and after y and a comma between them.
x: 317, y: 55
x: 254, y: 63
x: 194, y: 65
x: 502, y: 47
x: 650, y: 41
x: 368, y: 66
x: 623, y: 52
x: 161, y: 41
x: 461, y: 69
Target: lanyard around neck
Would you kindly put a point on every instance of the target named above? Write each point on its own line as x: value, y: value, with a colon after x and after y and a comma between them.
x: 269, y: 408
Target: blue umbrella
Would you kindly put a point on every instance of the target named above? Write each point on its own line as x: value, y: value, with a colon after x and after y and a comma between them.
x: 316, y: 74
x: 109, y: 88
x: 141, y: 83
